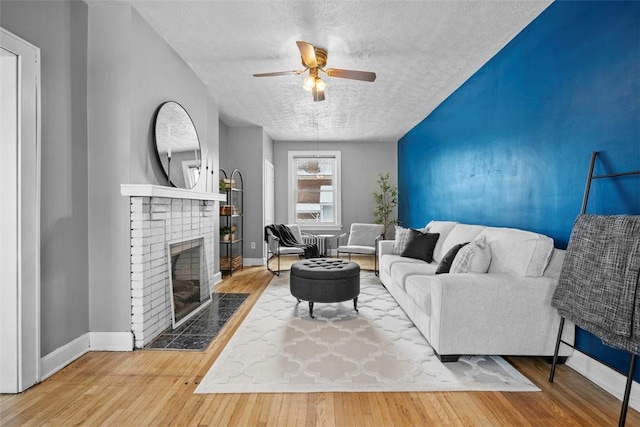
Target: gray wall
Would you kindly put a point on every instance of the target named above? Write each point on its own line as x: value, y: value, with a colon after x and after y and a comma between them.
x: 223, y: 160
x: 132, y: 72
x: 223, y: 151
x: 110, y: 118
x: 104, y: 73
x: 213, y: 162
x: 59, y: 29
x: 361, y: 163
x: 246, y: 148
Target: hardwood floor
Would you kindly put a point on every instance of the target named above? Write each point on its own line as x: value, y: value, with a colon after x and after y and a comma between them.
x: 151, y: 387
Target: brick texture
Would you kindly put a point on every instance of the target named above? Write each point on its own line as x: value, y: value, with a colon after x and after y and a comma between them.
x: 156, y: 222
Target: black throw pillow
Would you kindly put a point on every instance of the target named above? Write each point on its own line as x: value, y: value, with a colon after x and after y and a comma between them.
x: 447, y: 259
x: 420, y: 245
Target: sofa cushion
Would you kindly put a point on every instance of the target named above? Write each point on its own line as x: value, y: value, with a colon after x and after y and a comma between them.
x: 388, y: 260
x: 443, y: 228
x: 401, y: 239
x: 459, y: 234
x: 420, y: 245
x: 401, y: 270
x: 518, y: 251
x: 447, y: 260
x: 472, y: 258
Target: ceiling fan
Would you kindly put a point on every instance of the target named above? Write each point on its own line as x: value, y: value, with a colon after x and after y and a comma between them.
x: 314, y: 59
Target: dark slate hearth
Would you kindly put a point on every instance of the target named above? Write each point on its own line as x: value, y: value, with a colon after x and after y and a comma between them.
x: 198, y: 332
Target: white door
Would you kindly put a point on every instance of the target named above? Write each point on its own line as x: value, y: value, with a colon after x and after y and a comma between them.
x: 20, y: 214
x: 269, y: 196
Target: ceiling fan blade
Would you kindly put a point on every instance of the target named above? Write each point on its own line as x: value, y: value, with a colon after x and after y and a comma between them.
x: 308, y: 53
x: 365, y: 76
x: 318, y: 94
x: 278, y: 73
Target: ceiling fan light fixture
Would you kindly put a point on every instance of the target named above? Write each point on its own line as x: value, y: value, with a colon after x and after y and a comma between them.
x: 314, y: 59
x: 318, y: 95
x: 309, y: 83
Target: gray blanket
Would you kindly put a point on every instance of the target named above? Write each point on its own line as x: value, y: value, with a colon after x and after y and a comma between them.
x: 598, y: 285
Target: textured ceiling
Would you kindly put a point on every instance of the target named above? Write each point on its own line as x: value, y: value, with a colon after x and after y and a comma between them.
x: 421, y: 51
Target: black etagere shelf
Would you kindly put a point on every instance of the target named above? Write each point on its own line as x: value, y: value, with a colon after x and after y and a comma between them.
x: 231, y: 222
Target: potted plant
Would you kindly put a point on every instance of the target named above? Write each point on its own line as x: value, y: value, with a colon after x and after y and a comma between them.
x: 386, y: 199
x: 225, y: 232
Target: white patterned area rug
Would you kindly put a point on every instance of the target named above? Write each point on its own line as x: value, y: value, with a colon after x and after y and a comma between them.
x: 279, y: 349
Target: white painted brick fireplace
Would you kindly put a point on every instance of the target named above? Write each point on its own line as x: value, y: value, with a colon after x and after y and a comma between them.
x: 160, y: 215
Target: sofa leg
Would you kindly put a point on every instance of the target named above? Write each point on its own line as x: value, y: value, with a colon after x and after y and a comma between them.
x: 447, y: 358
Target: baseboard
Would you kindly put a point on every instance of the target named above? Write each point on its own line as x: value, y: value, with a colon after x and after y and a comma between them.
x: 217, y: 279
x: 61, y: 357
x: 605, y: 377
x: 111, y: 341
x: 252, y: 261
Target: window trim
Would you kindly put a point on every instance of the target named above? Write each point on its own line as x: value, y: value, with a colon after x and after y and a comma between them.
x: 292, y: 194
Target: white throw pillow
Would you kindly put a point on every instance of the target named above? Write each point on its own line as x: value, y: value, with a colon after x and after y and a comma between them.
x: 517, y: 251
x: 443, y: 228
x: 402, y: 237
x: 472, y: 258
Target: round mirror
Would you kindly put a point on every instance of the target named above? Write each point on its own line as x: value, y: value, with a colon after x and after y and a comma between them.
x: 177, y: 145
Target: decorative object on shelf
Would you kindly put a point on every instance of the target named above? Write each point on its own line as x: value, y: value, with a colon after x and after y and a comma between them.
x: 227, y: 210
x: 386, y: 199
x: 177, y: 145
x: 231, y: 264
x: 226, y: 183
x: 225, y: 233
x: 231, y: 222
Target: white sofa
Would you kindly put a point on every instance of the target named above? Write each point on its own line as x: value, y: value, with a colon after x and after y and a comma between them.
x: 505, y: 311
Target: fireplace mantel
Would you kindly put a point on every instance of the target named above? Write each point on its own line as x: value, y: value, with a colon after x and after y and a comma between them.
x: 149, y: 190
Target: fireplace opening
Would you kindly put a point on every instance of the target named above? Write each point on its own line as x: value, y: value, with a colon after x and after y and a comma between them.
x: 189, y: 282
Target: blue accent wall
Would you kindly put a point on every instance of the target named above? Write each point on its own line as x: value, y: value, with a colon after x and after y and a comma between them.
x: 511, y: 147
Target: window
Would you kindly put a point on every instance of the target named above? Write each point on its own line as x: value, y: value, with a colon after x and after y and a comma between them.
x: 314, y: 189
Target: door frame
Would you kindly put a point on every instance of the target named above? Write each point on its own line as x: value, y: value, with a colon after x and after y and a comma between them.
x: 20, y: 313
x: 268, y: 205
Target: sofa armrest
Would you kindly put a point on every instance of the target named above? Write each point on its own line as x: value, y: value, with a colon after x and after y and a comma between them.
x: 385, y: 247
x: 483, y: 311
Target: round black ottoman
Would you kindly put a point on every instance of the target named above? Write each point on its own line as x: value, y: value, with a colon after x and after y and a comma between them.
x: 325, y: 280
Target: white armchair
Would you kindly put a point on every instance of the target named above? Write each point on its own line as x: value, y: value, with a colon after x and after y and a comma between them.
x: 363, y: 240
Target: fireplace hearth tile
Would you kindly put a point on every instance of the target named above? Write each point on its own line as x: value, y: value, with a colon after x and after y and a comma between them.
x: 203, y: 328
x: 163, y: 341
x: 197, y: 333
x: 230, y: 303
x: 191, y: 342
